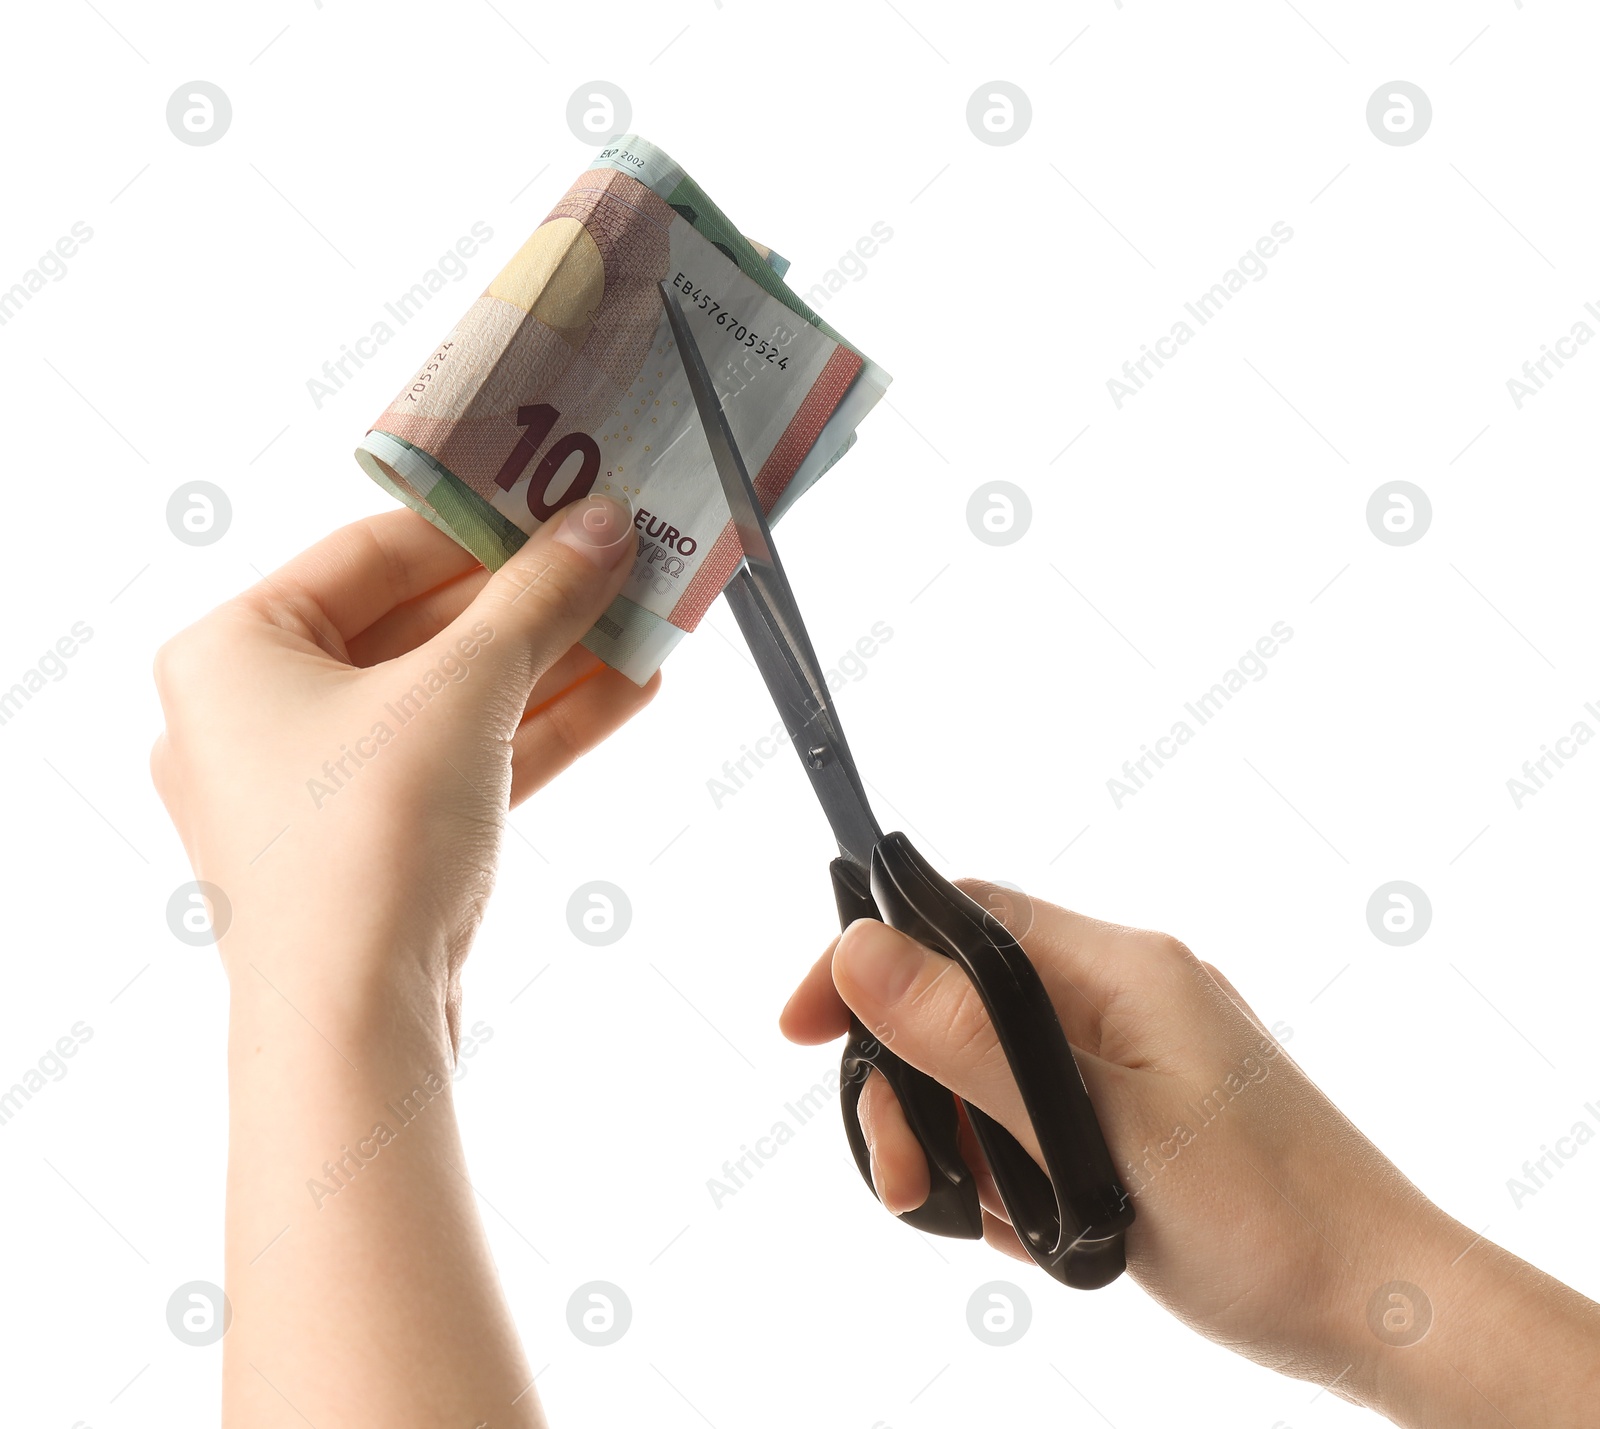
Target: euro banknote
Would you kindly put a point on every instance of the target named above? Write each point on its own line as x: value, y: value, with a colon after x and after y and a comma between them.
x: 562, y: 379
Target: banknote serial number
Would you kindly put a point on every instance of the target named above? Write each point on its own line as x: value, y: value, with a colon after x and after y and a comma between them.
x: 740, y: 332
x: 426, y: 376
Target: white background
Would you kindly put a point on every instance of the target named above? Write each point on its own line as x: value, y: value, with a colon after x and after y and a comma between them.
x: 1224, y: 497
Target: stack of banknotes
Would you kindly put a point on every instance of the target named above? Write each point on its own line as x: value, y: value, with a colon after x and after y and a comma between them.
x: 562, y: 379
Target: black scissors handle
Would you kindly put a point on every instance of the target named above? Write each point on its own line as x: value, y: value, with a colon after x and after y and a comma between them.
x: 1071, y: 1215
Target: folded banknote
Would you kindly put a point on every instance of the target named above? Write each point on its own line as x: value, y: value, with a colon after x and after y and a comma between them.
x: 562, y: 379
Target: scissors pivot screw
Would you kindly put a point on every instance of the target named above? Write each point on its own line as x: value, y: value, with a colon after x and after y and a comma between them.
x: 817, y: 756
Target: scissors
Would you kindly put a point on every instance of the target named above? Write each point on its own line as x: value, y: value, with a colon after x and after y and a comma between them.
x: 1073, y: 1214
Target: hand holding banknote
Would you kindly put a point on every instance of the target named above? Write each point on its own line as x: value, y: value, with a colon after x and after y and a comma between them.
x: 375, y: 706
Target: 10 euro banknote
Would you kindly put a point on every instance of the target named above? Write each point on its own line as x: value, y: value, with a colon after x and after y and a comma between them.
x: 562, y: 379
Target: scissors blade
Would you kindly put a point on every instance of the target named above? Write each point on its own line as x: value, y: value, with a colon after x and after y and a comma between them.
x: 755, y: 536
x: 764, y: 605
x: 813, y: 729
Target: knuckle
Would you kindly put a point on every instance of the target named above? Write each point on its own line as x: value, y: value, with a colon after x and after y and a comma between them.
x: 160, y: 764
x: 1170, y: 960
x: 560, y: 728
x: 193, y: 668
x: 1164, y: 948
x: 541, y: 591
x: 1015, y: 909
x: 871, y: 1110
x: 970, y: 1036
x: 988, y: 894
x: 168, y: 663
x: 185, y: 661
x: 396, y: 567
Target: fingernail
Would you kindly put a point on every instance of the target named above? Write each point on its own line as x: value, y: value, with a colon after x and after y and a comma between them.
x: 599, y: 526
x: 877, y: 1174
x: 880, y: 962
x: 894, y: 1199
x: 886, y: 1194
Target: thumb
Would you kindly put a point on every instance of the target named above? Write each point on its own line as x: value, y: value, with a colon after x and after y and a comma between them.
x: 536, y: 606
x: 925, y: 1010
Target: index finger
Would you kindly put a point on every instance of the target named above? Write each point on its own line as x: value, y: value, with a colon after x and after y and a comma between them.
x: 350, y: 579
x: 815, y: 1012
x: 1121, y: 992
x: 1097, y: 974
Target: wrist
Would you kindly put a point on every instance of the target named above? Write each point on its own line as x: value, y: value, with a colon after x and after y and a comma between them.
x: 1456, y: 1331
x: 340, y: 1003
x: 329, y: 935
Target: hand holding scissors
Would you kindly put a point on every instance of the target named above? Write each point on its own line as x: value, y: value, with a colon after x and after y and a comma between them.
x: 1072, y: 1214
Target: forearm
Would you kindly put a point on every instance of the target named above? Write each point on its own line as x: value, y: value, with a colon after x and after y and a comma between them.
x: 362, y: 1288
x: 1505, y: 1343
